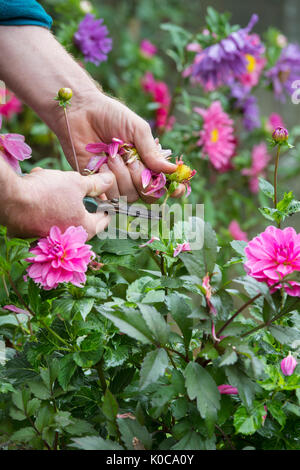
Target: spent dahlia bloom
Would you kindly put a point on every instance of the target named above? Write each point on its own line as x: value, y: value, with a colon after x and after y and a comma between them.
x: 183, y: 174
x: 60, y: 257
x: 9, y: 104
x: 154, y: 183
x: 13, y: 149
x: 260, y: 160
x: 221, y: 63
x: 91, y: 38
x: 288, y: 365
x: 217, y: 138
x: 226, y: 389
x: 185, y: 246
x: 285, y: 71
x: 161, y: 95
x: 272, y: 255
x: 236, y: 231
x: 147, y: 48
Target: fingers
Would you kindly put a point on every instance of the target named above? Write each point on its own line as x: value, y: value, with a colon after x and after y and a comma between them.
x: 179, y: 192
x: 96, y: 223
x: 123, y: 176
x: 94, y: 185
x: 113, y: 191
x: 148, y: 151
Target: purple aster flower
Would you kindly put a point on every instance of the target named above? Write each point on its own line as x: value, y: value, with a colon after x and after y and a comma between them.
x: 92, y: 40
x: 285, y: 71
x: 220, y: 63
x: 248, y: 105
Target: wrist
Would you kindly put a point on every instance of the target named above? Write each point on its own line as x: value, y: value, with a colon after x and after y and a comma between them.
x: 12, y: 194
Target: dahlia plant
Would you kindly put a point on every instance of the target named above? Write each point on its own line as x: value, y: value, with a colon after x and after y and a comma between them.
x: 149, y: 343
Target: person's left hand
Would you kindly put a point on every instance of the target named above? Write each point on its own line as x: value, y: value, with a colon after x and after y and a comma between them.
x: 99, y: 118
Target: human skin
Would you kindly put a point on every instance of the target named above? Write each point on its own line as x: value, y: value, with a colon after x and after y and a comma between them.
x: 35, y: 66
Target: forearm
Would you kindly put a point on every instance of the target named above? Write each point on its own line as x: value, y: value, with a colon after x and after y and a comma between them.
x: 38, y: 67
x: 9, y: 191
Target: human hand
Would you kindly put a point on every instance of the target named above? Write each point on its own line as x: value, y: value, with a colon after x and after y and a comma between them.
x: 99, y: 119
x: 45, y: 198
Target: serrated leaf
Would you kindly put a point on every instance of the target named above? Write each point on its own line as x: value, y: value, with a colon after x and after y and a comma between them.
x: 202, y: 387
x: 157, y: 325
x: 95, y: 443
x: 153, y: 366
x: 130, y: 322
x: 67, y: 367
x: 24, y: 435
x: 110, y: 405
x: 180, y: 312
x: 266, y: 187
x: 247, y: 422
x: 132, y: 428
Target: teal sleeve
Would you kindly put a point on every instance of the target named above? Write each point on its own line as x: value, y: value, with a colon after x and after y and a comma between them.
x: 26, y: 12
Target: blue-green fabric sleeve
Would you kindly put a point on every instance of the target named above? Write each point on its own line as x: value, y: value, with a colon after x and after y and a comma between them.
x: 18, y: 12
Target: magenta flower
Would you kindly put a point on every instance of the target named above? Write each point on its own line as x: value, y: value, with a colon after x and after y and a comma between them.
x: 217, y: 136
x: 110, y: 149
x: 9, y: 104
x: 236, y: 231
x: 13, y: 308
x: 208, y: 293
x: 95, y: 164
x: 154, y: 182
x: 222, y: 62
x: 264, y: 417
x: 185, y: 246
x: 147, y: 48
x: 255, y: 63
x: 275, y: 120
x: 226, y: 389
x: 91, y: 38
x: 260, y: 160
x: 274, y: 254
x: 161, y: 95
x: 60, y: 257
x: 288, y: 365
x: 13, y: 149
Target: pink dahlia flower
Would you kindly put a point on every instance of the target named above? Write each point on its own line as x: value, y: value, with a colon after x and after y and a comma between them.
x: 147, y: 48
x: 217, y: 136
x: 260, y: 160
x: 13, y: 149
x: 236, y: 231
x: 60, y: 257
x: 226, y: 389
x: 9, y: 104
x: 288, y: 365
x: 274, y: 254
x: 161, y: 95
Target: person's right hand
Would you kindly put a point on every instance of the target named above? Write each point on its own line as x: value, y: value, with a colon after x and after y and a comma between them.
x: 45, y: 198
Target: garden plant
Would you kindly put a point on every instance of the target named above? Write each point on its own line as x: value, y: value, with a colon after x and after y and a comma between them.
x: 133, y: 343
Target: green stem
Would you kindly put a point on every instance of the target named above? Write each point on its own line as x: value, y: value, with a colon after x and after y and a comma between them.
x: 54, y: 333
x: 99, y: 368
x: 71, y: 140
x: 275, y: 178
x: 171, y: 358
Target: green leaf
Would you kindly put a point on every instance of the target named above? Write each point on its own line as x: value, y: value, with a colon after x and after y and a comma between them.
x: 44, y: 417
x: 110, y: 406
x: 39, y: 389
x: 275, y: 408
x: 191, y: 441
x: 246, y: 387
x: 201, y: 385
x: 95, y: 443
x: 131, y: 323
x: 228, y: 358
x: 284, y: 334
x: 266, y: 187
x: 84, y: 306
x: 153, y: 366
x: 247, y: 422
x: 131, y: 428
x: 63, y: 307
x: 24, y: 435
x: 156, y: 323
x: 66, y: 371
x: 239, y: 246
x: 180, y: 312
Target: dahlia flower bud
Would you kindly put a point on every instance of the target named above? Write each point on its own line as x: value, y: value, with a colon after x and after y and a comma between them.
x: 63, y: 96
x: 280, y: 135
x: 288, y: 365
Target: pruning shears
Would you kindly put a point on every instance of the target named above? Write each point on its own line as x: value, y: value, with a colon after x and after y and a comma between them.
x: 117, y: 206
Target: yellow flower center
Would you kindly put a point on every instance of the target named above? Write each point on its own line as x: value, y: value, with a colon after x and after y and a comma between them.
x: 214, y: 136
x: 183, y: 173
x: 251, y: 63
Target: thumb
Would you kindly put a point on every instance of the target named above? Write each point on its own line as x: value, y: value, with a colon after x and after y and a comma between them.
x: 148, y: 151
x: 94, y: 185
